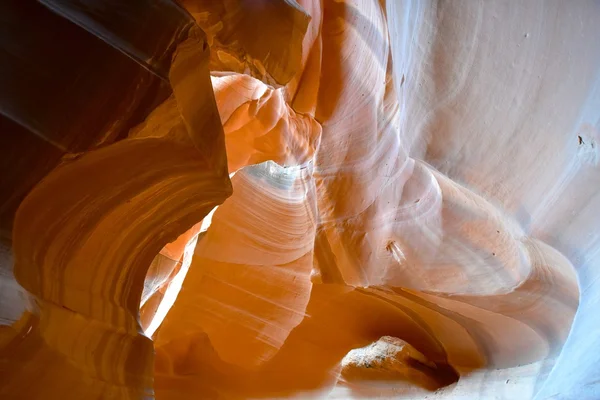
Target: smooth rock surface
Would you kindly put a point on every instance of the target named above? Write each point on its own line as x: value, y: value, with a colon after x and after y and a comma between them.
x: 333, y: 199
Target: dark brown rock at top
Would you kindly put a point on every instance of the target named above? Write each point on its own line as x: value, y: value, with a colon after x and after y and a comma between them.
x: 84, y: 85
x: 75, y: 75
x: 147, y: 30
x: 25, y: 159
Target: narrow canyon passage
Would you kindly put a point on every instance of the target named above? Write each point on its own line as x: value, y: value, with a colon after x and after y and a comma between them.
x: 301, y: 199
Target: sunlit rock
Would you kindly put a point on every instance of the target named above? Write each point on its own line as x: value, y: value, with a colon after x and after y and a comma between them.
x: 318, y: 199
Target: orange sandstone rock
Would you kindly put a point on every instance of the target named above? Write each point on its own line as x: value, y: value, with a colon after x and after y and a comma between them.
x: 410, y: 212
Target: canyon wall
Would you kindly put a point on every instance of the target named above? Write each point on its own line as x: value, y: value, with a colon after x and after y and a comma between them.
x: 306, y: 199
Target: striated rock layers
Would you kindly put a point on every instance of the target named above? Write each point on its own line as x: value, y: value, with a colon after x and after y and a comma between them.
x: 328, y: 199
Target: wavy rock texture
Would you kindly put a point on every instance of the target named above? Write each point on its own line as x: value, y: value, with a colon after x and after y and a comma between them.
x: 84, y: 239
x: 412, y: 214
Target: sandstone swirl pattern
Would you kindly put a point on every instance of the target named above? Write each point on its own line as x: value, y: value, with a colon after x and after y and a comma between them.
x: 402, y: 198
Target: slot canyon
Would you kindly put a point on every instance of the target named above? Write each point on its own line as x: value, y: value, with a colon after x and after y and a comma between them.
x: 299, y: 199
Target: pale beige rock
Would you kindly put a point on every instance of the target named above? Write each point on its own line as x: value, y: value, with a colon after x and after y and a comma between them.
x: 448, y: 264
x: 392, y: 360
x: 420, y: 223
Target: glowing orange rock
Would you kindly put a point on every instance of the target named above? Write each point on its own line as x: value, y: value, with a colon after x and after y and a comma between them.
x: 409, y: 212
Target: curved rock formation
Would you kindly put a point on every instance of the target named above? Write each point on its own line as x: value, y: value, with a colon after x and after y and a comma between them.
x: 85, y: 269
x: 410, y: 211
x: 391, y: 359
